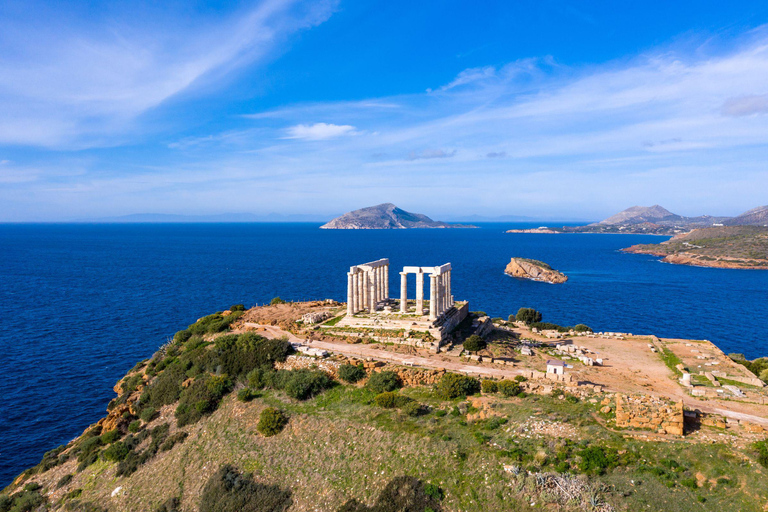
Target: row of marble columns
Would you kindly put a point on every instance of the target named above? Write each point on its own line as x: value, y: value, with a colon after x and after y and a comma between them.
x: 440, y: 297
x: 367, y: 285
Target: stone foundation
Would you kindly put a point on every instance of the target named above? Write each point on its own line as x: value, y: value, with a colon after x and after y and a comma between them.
x: 646, y: 412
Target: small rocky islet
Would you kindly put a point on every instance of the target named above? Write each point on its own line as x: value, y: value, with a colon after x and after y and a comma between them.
x: 525, y: 268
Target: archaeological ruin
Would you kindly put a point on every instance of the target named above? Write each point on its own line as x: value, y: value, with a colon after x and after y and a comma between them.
x: 369, y: 305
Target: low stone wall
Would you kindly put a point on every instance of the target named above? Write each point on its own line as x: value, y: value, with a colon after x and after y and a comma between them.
x: 646, y: 412
x: 295, y: 362
x: 752, y: 381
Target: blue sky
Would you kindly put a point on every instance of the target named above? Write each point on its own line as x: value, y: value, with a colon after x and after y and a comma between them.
x: 545, y: 109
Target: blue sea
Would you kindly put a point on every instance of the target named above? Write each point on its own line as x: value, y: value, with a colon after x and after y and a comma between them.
x: 81, y: 303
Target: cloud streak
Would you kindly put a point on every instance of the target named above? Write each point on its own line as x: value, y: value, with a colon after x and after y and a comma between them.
x: 84, y: 84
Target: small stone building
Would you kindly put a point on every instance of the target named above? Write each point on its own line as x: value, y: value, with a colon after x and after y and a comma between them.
x: 555, y: 366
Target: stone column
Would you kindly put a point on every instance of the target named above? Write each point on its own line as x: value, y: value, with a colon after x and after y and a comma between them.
x: 386, y: 281
x: 356, y: 284
x: 350, y: 293
x: 379, y: 283
x: 444, y: 293
x: 433, y: 297
x: 403, y: 292
x: 420, y: 292
x: 448, y: 292
x: 363, y: 290
x: 372, y: 304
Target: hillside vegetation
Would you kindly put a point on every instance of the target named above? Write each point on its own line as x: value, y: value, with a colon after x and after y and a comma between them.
x: 209, y: 424
x: 725, y: 246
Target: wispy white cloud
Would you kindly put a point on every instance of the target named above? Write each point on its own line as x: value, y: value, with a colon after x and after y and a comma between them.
x: 684, y: 127
x: 746, y: 105
x: 319, y: 131
x: 78, y: 84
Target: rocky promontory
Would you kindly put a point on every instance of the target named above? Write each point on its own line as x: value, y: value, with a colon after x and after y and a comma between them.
x: 534, y: 270
x: 718, y: 247
x: 386, y: 216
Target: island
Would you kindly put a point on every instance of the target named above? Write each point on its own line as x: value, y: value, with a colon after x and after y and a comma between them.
x: 722, y: 247
x: 386, y: 216
x: 656, y: 220
x: 535, y: 270
x: 413, y: 403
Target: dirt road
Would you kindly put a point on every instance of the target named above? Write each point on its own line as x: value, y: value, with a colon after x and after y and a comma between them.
x: 734, y: 410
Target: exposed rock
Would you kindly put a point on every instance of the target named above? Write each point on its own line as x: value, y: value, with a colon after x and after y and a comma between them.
x: 535, y: 270
x: 386, y: 216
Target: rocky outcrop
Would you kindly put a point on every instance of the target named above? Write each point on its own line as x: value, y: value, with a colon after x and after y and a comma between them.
x: 534, y: 270
x: 386, y: 216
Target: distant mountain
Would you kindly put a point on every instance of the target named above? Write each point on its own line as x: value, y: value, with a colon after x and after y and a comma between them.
x: 754, y: 217
x: 639, y: 215
x: 386, y: 216
x: 223, y: 217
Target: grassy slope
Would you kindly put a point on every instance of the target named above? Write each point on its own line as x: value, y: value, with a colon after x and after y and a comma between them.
x: 338, y: 446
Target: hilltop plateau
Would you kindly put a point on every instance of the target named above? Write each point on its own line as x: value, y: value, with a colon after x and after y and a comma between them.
x: 249, y: 411
x: 386, y: 216
x: 723, y: 247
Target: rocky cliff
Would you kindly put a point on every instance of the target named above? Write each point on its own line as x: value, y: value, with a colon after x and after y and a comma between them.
x: 534, y: 270
x: 386, y: 216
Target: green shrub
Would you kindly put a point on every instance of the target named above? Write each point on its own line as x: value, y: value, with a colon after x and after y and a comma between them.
x: 690, y: 483
x: 147, y: 414
x: 134, y: 426
x: 170, y: 505
x: 474, y: 343
x: 528, y: 315
x: 200, y: 398
x: 582, y: 328
x: 380, y: 382
x: 412, y: 408
x: 172, y: 441
x: 181, y: 337
x: 402, y: 494
x: 277, y: 300
x: 595, y: 459
x: 489, y: 386
x: 116, y: 452
x: 237, y: 307
x: 453, y: 385
x: 509, y: 387
x: 246, y: 394
x: 230, y: 491
x: 385, y: 399
x: 351, y: 373
x: 761, y: 447
x: 110, y: 437
x: 304, y: 384
x: 520, y: 378
x: 64, y: 480
x: 271, y: 422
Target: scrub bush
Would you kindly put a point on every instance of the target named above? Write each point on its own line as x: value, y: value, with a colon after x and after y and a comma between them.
x: 351, y: 373
x: 230, y: 491
x: 383, y: 381
x: 453, y: 385
x: 271, y: 422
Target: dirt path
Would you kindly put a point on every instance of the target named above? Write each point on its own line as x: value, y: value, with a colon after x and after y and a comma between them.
x: 734, y: 410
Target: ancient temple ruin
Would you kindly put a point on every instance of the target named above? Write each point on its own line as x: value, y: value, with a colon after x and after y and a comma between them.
x: 369, y: 305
